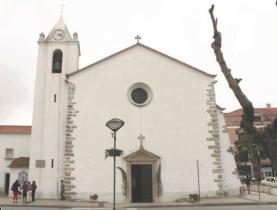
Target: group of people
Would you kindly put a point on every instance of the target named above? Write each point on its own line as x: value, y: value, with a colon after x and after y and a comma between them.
x: 27, y: 190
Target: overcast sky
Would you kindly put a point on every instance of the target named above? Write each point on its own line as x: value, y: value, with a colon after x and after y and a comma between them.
x: 179, y: 28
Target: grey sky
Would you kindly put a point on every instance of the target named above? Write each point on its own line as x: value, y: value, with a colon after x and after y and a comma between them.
x: 179, y: 28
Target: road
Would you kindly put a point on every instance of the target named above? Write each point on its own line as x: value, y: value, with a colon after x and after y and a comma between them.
x: 244, y: 207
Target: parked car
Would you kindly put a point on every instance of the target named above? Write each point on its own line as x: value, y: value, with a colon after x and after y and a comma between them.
x: 269, y: 181
x: 243, y: 178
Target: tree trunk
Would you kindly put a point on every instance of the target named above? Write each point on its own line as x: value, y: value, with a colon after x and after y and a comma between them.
x: 247, y: 122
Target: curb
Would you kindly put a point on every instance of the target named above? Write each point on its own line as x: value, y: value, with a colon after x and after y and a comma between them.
x: 206, y: 204
x: 147, y: 206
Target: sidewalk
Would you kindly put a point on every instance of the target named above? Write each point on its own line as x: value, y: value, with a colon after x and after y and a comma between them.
x: 252, y: 199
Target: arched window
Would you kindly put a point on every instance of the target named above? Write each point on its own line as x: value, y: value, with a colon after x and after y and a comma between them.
x: 57, y: 61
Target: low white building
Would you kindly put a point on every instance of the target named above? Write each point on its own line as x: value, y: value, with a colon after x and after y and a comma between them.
x: 15, y: 150
x: 171, y: 123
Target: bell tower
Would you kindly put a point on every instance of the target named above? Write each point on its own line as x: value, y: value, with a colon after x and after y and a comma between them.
x: 58, y: 55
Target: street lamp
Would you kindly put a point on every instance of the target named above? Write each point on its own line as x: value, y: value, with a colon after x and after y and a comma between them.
x: 257, y: 166
x: 114, y: 124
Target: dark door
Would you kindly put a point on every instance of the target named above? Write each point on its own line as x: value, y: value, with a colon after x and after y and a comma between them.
x: 142, y: 190
x: 7, y: 183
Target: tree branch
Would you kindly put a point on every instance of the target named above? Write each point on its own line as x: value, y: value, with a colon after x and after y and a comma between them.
x: 211, y: 10
x: 233, y: 83
x: 247, y: 122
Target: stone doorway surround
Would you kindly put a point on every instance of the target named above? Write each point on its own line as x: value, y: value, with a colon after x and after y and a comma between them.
x: 142, y: 157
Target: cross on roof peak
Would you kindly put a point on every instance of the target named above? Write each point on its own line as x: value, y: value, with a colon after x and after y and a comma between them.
x: 141, y: 138
x: 137, y: 38
x: 62, y: 6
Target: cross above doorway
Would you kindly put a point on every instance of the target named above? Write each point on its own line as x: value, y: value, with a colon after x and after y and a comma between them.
x: 141, y: 138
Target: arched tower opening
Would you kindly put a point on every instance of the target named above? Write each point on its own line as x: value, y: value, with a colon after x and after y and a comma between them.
x: 57, y: 61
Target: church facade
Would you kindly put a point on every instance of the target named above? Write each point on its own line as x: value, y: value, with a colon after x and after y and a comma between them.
x: 174, y: 140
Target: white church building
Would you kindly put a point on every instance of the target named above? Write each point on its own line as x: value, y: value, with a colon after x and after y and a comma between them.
x: 171, y: 120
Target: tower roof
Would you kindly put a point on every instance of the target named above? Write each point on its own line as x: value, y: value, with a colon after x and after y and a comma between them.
x: 60, y: 25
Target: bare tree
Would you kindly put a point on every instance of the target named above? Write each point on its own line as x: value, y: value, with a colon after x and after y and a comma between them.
x: 247, y: 122
x: 264, y: 139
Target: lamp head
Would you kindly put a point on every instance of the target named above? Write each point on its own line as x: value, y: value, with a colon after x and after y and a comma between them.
x: 115, y: 124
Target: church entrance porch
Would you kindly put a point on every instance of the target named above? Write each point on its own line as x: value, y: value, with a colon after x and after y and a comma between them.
x: 143, y: 177
x: 142, y: 190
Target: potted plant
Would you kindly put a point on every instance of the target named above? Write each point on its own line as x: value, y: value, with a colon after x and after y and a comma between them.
x: 93, y: 197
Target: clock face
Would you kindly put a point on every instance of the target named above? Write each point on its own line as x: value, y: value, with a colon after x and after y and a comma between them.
x: 58, y: 34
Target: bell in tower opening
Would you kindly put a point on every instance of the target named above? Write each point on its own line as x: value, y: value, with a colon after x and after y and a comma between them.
x: 57, y: 61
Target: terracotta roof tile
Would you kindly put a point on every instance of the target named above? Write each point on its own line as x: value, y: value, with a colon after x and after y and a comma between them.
x: 146, y: 47
x: 234, y: 117
x: 15, y: 129
x: 21, y: 162
x: 259, y: 111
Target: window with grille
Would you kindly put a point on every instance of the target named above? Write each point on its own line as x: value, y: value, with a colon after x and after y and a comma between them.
x: 258, y: 119
x: 9, y: 153
x: 22, y: 177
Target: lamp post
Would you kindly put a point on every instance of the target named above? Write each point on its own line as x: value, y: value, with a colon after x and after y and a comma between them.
x: 114, y: 124
x: 257, y: 166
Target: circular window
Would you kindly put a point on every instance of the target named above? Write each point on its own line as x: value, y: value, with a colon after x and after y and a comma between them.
x: 140, y: 94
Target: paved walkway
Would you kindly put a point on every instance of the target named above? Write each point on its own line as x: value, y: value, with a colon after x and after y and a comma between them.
x: 252, y: 199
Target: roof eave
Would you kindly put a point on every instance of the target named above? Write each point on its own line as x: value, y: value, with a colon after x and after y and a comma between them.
x: 146, y: 47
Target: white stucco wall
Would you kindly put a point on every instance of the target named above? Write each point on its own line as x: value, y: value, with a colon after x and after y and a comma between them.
x: 21, y: 145
x: 231, y: 182
x: 174, y: 123
x: 48, y: 116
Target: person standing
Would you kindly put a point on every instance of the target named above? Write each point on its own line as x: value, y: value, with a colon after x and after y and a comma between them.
x: 29, y: 192
x: 15, y: 188
x: 24, y: 191
x: 247, y: 182
x: 34, y: 187
x: 62, y: 190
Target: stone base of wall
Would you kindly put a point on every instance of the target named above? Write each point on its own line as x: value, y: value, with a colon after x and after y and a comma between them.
x: 2, y: 191
x: 166, y: 197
